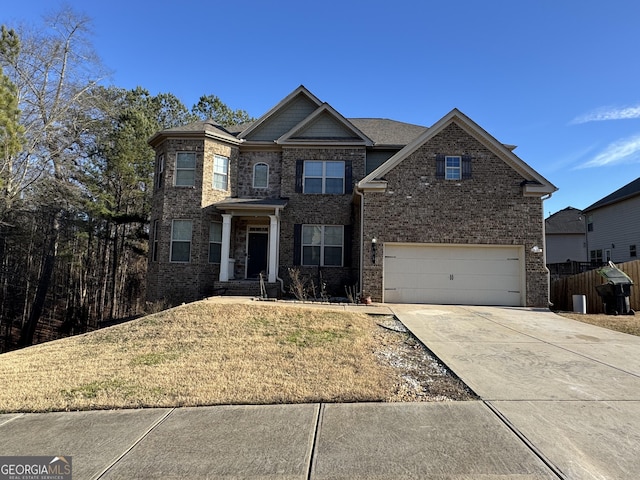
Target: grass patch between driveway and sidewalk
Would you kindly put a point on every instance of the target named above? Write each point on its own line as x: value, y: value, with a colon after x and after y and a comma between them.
x: 621, y: 323
x: 207, y: 354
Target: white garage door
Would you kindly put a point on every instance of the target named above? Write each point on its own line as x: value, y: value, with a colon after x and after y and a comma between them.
x: 453, y: 275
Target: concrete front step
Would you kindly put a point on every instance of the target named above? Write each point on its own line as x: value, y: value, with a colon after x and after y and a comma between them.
x: 245, y: 288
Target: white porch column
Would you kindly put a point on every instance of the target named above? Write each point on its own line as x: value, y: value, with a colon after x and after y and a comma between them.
x: 226, y: 247
x: 273, y: 247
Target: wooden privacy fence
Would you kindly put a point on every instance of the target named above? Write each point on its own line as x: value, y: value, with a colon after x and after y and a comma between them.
x: 563, y: 289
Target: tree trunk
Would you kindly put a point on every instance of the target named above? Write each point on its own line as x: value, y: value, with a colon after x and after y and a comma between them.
x: 48, y: 264
x: 114, y: 273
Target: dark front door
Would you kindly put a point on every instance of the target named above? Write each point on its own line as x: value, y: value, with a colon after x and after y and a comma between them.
x: 257, y: 253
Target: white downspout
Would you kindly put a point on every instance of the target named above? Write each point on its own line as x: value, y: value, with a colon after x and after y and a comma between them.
x: 544, y: 251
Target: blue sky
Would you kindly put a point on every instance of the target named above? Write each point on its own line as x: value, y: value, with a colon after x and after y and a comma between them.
x: 558, y: 78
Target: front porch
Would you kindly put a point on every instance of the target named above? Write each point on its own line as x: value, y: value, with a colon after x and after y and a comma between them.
x: 250, y: 243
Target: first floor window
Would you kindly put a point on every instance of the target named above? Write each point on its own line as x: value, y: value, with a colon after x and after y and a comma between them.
x: 215, y: 242
x: 220, y: 172
x: 154, y: 248
x: 322, y: 245
x: 181, y: 240
x: 596, y: 256
x: 185, y: 169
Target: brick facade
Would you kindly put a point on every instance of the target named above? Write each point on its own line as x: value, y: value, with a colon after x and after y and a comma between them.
x: 247, y: 161
x: 318, y: 209
x: 181, y: 282
x: 490, y: 208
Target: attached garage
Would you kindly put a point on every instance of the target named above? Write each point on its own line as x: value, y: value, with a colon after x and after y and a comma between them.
x: 454, y: 274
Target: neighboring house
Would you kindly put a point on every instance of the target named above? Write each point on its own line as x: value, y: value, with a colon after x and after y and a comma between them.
x: 408, y: 214
x: 613, y: 226
x: 566, y: 236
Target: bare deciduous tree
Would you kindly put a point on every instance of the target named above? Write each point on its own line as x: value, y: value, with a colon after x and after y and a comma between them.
x: 54, y: 73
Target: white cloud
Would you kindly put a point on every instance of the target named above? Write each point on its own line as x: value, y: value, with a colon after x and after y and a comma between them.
x: 626, y: 150
x: 569, y: 159
x: 608, y: 113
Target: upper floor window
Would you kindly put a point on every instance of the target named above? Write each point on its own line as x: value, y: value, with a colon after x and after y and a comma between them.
x: 590, y: 223
x: 453, y: 168
x: 215, y: 242
x: 181, y: 231
x: 323, y: 177
x: 322, y: 245
x: 632, y: 251
x: 185, y: 169
x: 220, y: 172
x: 260, y: 175
x: 330, y: 176
x: 159, y: 170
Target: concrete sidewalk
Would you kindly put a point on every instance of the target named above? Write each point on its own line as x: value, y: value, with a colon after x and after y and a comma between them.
x: 571, y: 390
x: 462, y: 440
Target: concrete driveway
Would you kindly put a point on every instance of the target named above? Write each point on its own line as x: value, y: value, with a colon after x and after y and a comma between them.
x: 570, y: 390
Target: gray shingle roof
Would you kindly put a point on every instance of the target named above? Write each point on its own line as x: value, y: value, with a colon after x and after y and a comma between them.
x: 387, y: 132
x: 629, y: 190
x: 382, y: 131
x: 567, y: 221
x: 202, y: 126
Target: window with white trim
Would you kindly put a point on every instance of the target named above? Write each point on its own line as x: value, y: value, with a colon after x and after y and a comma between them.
x: 322, y: 245
x: 220, y: 172
x: 215, y: 242
x: 452, y: 167
x: 185, y: 169
x: 323, y: 177
x: 181, y: 231
x: 260, y: 175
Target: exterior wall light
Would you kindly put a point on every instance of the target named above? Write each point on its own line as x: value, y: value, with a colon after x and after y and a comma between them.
x: 374, y: 247
x: 536, y: 249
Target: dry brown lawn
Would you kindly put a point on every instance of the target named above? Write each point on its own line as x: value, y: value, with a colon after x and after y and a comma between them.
x: 206, y: 354
x: 622, y: 323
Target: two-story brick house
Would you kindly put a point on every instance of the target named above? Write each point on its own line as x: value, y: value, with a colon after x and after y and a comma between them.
x: 445, y: 214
